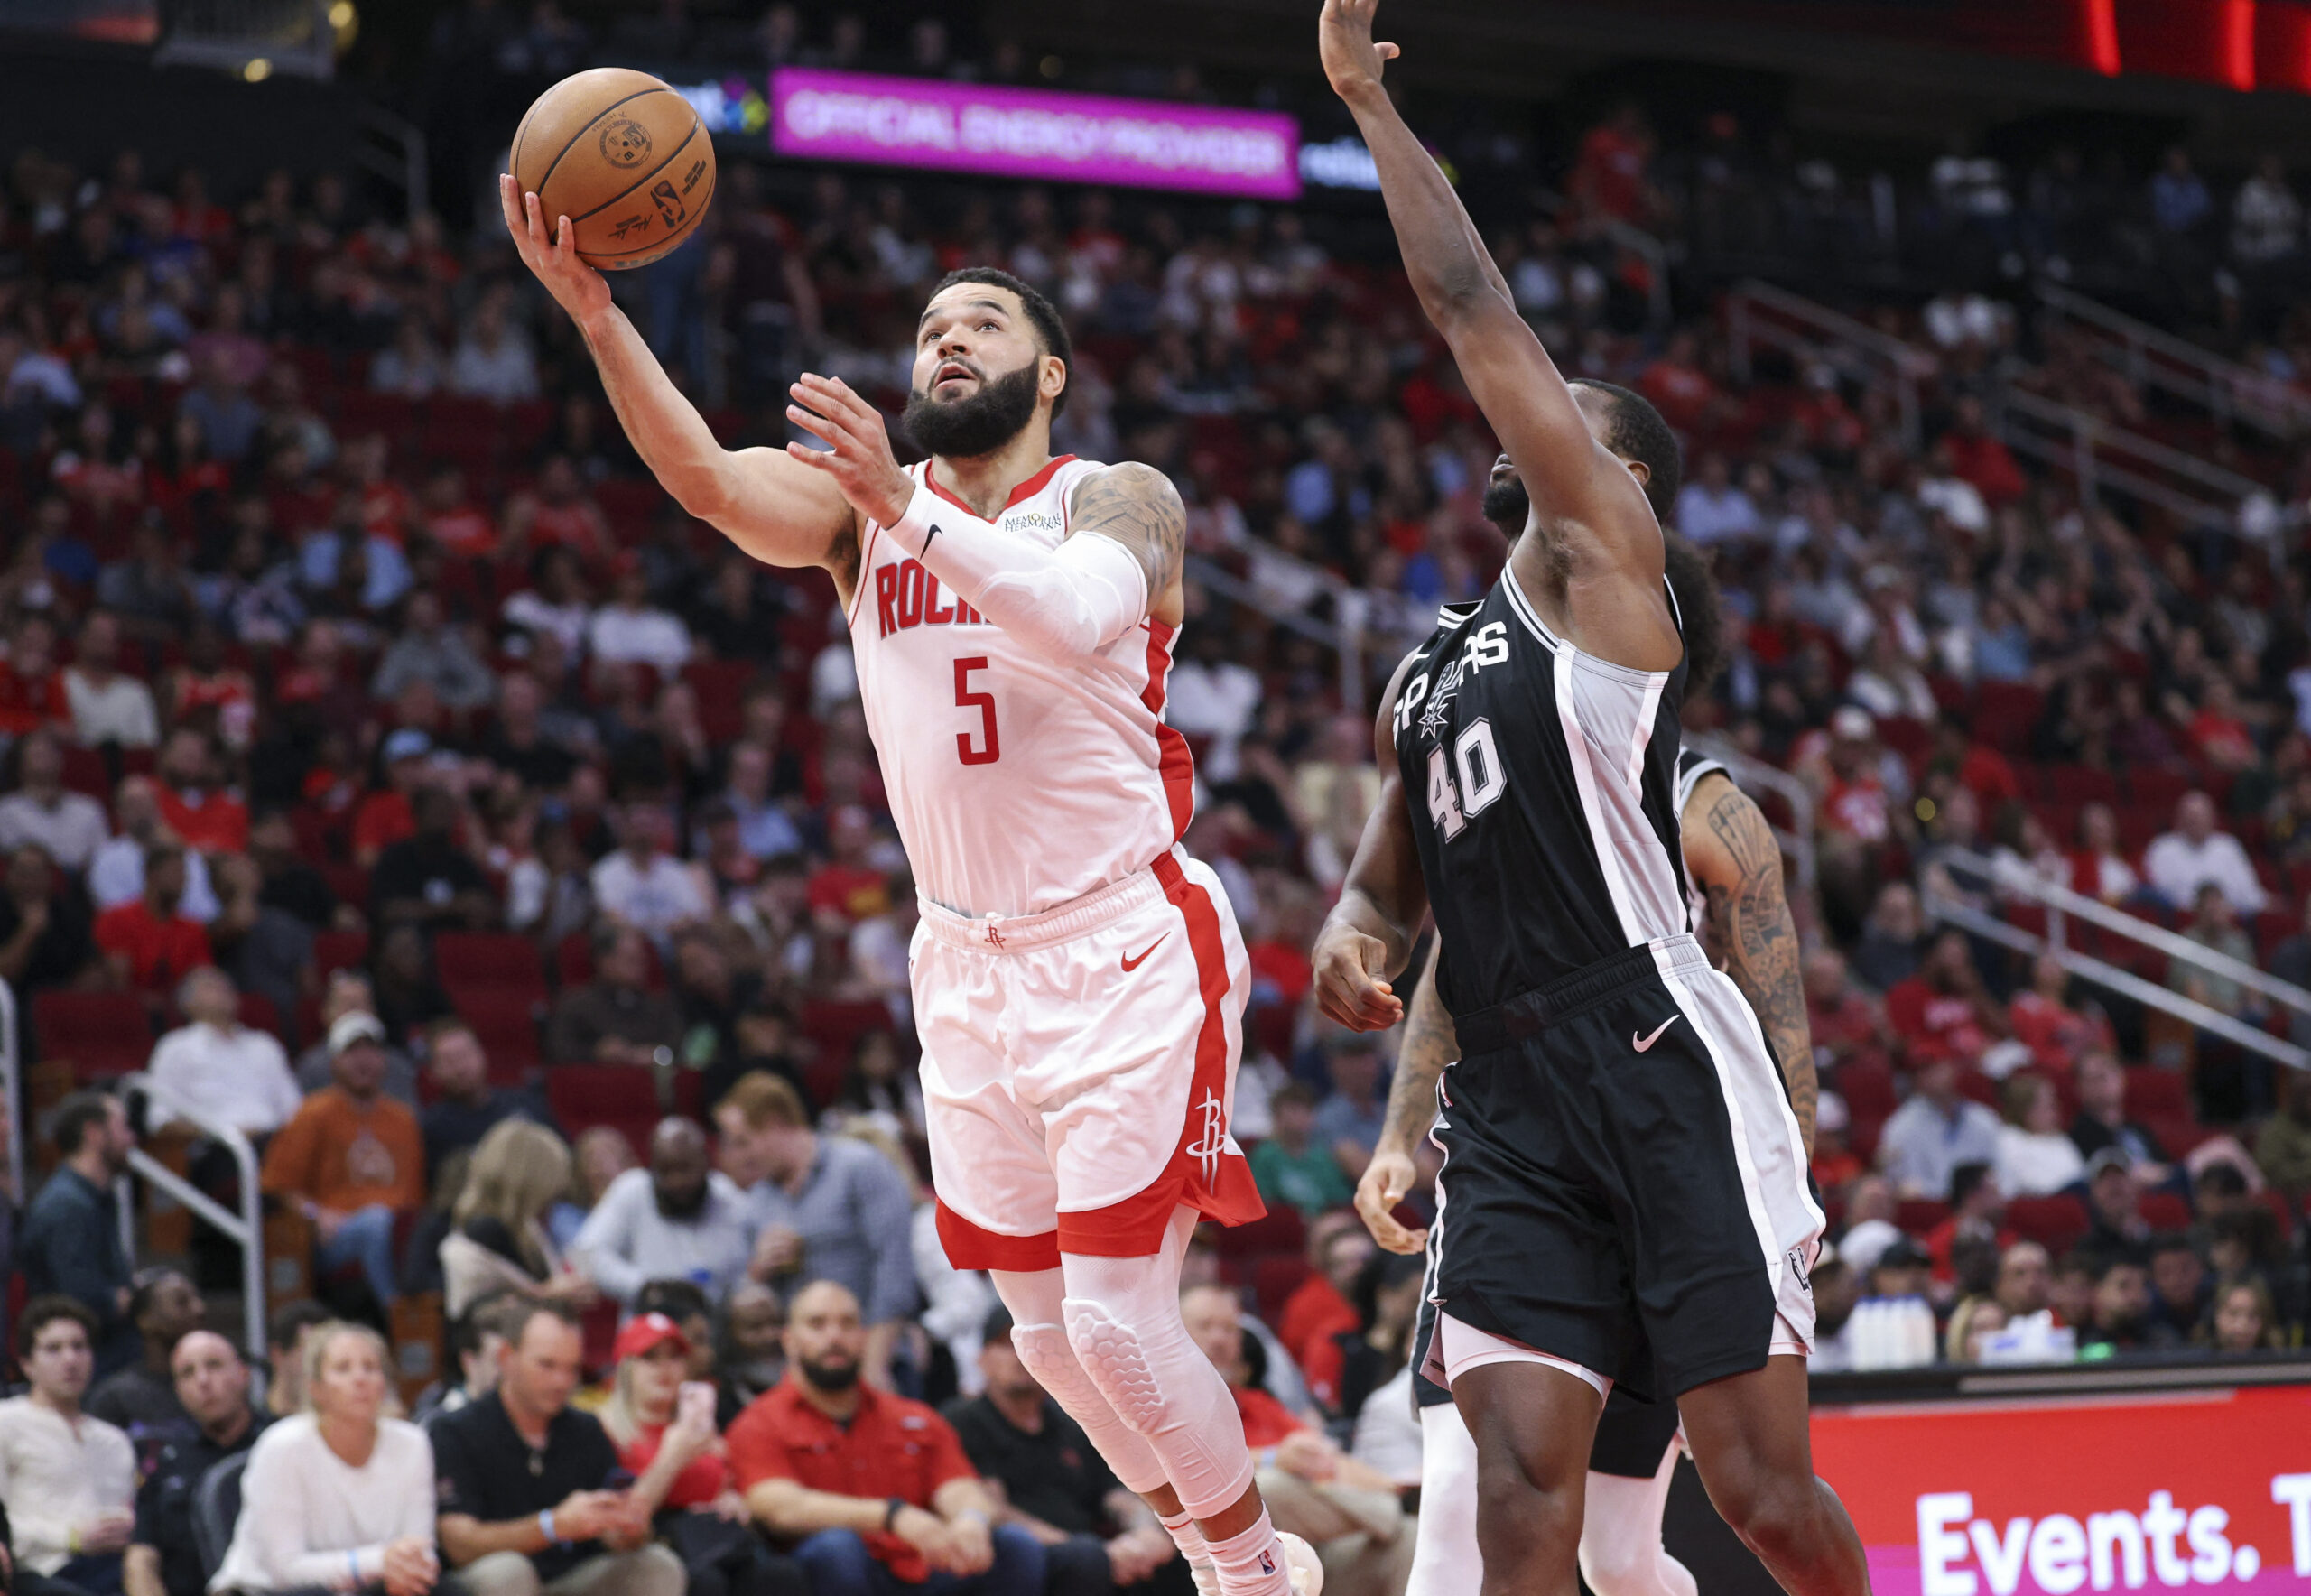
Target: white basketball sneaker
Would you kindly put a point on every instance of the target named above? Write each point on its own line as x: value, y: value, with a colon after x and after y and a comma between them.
x: 1300, y: 1557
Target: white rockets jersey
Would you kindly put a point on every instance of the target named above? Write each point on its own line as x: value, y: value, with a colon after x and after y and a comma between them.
x: 1017, y: 783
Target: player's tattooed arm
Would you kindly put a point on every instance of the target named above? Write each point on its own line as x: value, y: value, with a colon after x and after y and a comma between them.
x: 1138, y: 506
x: 1752, y: 930
x: 1429, y: 1045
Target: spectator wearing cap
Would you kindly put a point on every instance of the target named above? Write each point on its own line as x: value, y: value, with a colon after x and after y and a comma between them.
x: 614, y: 1018
x: 2100, y: 1122
x: 1937, y: 1129
x: 69, y: 825
x: 385, y: 817
x: 630, y: 630
x: 1347, y: 1123
x: 117, y: 871
x: 347, y: 991
x: 642, y: 885
x: 2179, y: 862
x: 2115, y: 1226
x: 196, y: 805
x: 210, y: 1384
x: 662, y: 1423
x: 426, y: 878
x: 1097, y: 1537
x: 876, y: 1488
x: 141, y: 1400
x: 679, y: 1217
x: 149, y: 941
x: 1902, y: 1270
x: 352, y: 1161
x: 428, y: 649
x: 70, y: 1243
x: 227, y: 1072
x: 826, y: 1208
x: 68, y: 1481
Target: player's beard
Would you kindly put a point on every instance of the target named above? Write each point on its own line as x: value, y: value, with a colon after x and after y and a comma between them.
x: 1507, y: 506
x: 966, y: 428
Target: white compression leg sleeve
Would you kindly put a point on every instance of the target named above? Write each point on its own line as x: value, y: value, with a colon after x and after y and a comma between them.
x: 1038, y: 1332
x: 1123, y: 1320
x: 1063, y: 603
x: 1444, y: 1557
x: 1621, y: 1553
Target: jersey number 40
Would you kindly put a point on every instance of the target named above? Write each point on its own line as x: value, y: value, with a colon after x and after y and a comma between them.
x: 1482, y: 779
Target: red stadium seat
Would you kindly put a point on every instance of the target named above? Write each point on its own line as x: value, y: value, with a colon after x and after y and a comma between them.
x: 2153, y: 1094
x: 340, y: 949
x: 506, y: 1021
x: 2054, y: 1223
x: 489, y: 958
x: 1918, y: 1215
x: 2165, y: 1211
x: 836, y: 1028
x: 583, y: 1096
x: 1281, y: 1230
x: 1275, y: 1277
x: 2004, y: 714
x: 260, y: 1013
x: 103, y: 1034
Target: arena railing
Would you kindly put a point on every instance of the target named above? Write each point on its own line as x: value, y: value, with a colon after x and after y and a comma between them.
x: 1754, y: 776
x: 1759, y: 313
x: 11, y: 1103
x: 2151, y: 358
x: 2062, y: 905
x: 245, y: 1229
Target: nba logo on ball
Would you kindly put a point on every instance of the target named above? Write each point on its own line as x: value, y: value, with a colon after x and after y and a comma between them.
x: 670, y: 204
x: 625, y: 143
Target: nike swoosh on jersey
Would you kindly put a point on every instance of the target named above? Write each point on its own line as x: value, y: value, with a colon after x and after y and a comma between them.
x: 1130, y: 964
x: 1645, y: 1043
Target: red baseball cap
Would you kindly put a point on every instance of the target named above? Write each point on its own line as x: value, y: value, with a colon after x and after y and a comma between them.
x: 645, y: 1333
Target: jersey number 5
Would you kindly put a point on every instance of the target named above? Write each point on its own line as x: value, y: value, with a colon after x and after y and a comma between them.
x: 1482, y: 779
x: 984, y: 702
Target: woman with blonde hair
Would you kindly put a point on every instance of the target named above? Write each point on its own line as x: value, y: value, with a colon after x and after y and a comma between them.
x: 1971, y: 1323
x: 498, y: 1235
x: 663, y: 1425
x: 339, y: 1497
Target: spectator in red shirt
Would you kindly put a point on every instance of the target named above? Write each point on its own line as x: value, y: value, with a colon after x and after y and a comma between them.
x: 1319, y: 1308
x: 385, y: 818
x: 1343, y: 1507
x: 849, y: 887
x: 1679, y: 386
x: 1944, y: 1011
x: 1977, y: 1212
x: 1609, y: 174
x: 32, y: 689
x: 2097, y: 868
x: 2056, y: 1034
x: 193, y: 803
x: 148, y: 941
x: 1976, y: 455
x: 2217, y: 731
x: 1980, y: 768
x: 876, y: 1487
x: 1840, y: 1017
x: 458, y: 527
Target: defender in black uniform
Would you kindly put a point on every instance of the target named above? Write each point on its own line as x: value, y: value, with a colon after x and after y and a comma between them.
x: 1624, y: 1188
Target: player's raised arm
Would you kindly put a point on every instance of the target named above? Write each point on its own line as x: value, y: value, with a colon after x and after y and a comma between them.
x: 1566, y: 473
x: 1731, y: 852
x: 1368, y: 936
x: 778, y: 511
x: 1121, y: 560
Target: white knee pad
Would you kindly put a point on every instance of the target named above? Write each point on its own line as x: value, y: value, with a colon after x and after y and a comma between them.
x: 1110, y: 1353
x: 1036, y: 1302
x: 1444, y: 1557
x: 1160, y: 1383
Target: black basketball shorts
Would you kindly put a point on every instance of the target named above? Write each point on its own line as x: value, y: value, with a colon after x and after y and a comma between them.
x: 1625, y: 1185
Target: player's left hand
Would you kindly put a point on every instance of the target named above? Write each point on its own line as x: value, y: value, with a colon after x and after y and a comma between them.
x: 857, y: 455
x: 1386, y: 1180
x: 1348, y: 965
x: 1352, y: 60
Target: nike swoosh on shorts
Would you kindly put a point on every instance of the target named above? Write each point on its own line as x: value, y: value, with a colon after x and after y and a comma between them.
x: 1130, y: 964
x: 1645, y: 1043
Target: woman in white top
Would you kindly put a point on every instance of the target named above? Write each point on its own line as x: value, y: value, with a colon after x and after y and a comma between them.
x: 2034, y: 1158
x: 336, y: 1496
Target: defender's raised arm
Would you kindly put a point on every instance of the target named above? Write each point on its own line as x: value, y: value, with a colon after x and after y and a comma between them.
x: 777, y: 510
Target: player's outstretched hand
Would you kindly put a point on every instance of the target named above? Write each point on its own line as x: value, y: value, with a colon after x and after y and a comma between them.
x: 857, y: 455
x: 551, y: 252
x: 1386, y: 1179
x: 1349, y: 988
x: 1353, y: 61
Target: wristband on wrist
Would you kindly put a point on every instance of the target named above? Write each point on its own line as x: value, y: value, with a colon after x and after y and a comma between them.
x: 891, y: 1511
x: 545, y: 1527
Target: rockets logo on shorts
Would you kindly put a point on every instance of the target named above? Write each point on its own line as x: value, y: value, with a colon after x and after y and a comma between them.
x: 1211, y: 1135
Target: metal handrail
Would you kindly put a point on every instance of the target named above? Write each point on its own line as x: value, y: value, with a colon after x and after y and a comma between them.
x: 9, y: 1098
x: 1347, y: 641
x: 2225, y: 388
x: 1751, y: 775
x: 405, y: 168
x: 2095, y: 449
x: 1865, y: 353
x: 245, y: 1229
x: 2061, y: 901
x: 2125, y: 982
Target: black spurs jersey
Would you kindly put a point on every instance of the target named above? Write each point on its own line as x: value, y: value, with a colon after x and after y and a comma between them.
x: 1542, y: 785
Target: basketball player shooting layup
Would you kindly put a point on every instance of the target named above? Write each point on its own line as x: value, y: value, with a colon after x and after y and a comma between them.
x: 1624, y: 1188
x: 1736, y: 903
x: 1079, y: 981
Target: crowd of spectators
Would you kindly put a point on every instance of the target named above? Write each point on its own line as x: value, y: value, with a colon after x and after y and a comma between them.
x: 396, y: 777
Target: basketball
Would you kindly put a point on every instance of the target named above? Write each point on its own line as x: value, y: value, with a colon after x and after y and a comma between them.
x: 624, y: 157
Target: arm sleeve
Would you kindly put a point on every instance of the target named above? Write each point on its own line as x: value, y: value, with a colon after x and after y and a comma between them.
x: 602, y: 1242
x: 885, y: 1218
x: 1063, y: 603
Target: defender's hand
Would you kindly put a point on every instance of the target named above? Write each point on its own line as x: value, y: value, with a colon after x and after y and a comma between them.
x: 1353, y: 61
x: 552, y: 253
x: 1386, y: 1180
x: 1348, y: 984
x: 858, y: 453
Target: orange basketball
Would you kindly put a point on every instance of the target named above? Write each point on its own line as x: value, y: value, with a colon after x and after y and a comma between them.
x: 624, y: 157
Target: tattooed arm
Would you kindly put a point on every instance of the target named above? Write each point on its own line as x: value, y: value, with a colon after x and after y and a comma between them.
x: 1731, y: 852
x: 1138, y: 506
x: 1429, y: 1045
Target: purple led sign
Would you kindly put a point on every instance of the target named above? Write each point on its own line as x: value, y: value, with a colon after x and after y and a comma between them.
x: 1081, y: 138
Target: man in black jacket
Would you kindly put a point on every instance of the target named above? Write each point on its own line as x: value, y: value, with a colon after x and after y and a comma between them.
x: 212, y: 1384
x: 70, y: 1241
